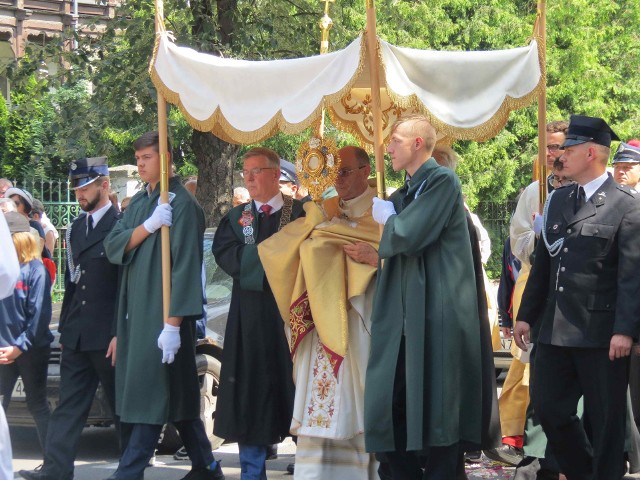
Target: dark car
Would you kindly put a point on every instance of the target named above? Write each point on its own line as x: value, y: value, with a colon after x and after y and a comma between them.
x: 208, y: 356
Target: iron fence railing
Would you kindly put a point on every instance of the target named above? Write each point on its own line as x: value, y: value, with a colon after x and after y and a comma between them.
x: 495, y: 217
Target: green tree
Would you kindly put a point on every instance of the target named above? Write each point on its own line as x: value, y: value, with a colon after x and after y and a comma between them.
x: 592, y: 69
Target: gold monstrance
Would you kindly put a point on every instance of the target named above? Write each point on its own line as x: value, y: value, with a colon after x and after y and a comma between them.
x: 317, y: 161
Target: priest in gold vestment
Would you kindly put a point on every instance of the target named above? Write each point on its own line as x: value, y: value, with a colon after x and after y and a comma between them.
x: 321, y: 269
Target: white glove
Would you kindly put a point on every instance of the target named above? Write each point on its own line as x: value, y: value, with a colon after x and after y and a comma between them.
x: 382, y: 210
x: 537, y: 224
x: 160, y: 216
x: 169, y: 342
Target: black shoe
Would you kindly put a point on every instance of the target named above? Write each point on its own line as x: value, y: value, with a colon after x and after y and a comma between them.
x: 291, y: 468
x: 205, y: 473
x: 181, y: 454
x: 272, y: 452
x: 473, y: 457
x: 31, y: 474
x: 505, y: 454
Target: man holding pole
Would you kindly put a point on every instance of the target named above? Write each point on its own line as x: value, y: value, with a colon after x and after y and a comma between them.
x: 423, y: 392
x: 156, y: 377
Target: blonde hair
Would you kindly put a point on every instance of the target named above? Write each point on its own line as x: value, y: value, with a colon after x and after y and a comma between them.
x: 26, y: 245
x: 419, y: 126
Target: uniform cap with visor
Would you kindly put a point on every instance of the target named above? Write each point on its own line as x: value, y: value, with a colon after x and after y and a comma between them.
x: 87, y: 170
x: 583, y: 129
x: 288, y: 172
x: 627, y: 154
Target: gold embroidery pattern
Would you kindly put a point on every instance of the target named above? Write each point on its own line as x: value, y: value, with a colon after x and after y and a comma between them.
x: 300, y: 320
x: 321, y: 406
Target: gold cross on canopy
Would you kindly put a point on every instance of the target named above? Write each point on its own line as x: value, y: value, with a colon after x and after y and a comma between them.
x: 326, y: 5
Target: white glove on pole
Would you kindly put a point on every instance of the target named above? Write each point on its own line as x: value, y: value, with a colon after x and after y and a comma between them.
x: 161, y: 216
x: 382, y: 210
x: 537, y: 224
x: 169, y: 342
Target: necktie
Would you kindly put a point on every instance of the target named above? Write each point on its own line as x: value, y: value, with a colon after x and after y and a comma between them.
x: 89, y: 225
x: 266, y: 209
x: 580, y: 199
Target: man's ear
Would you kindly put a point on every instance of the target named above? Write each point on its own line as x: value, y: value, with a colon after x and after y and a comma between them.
x: 418, y: 142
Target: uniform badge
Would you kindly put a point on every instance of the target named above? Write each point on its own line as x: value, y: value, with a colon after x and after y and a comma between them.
x: 555, y: 227
x: 602, y: 194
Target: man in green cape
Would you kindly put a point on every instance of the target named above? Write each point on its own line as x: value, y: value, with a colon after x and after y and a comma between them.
x: 156, y: 376
x: 423, y: 388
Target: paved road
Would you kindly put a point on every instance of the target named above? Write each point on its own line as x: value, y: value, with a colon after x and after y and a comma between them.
x: 97, y: 459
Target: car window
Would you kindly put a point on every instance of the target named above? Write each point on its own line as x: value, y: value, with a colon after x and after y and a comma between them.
x: 218, y: 284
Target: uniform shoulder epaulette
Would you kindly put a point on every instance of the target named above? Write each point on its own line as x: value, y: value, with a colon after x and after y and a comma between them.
x: 628, y: 190
x: 80, y: 216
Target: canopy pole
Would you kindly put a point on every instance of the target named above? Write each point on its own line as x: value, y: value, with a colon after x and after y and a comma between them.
x: 376, y: 109
x: 165, y: 165
x: 542, y: 107
x: 325, y: 25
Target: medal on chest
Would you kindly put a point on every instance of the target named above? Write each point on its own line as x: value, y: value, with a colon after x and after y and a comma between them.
x: 247, y: 218
x: 246, y: 222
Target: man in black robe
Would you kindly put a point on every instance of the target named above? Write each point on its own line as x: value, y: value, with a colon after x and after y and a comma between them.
x: 255, y: 400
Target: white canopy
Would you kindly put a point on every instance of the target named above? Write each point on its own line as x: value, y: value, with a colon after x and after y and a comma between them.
x: 467, y: 95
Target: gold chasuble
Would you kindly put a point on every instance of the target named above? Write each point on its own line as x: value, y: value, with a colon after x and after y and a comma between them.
x: 312, y: 278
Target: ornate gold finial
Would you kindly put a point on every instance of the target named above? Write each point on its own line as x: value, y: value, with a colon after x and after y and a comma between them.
x: 325, y: 25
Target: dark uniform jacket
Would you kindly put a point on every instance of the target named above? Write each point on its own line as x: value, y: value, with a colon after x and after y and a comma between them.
x: 591, y: 289
x: 87, y: 319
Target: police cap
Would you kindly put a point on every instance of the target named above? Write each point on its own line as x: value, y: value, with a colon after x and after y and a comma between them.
x: 86, y: 170
x: 584, y: 129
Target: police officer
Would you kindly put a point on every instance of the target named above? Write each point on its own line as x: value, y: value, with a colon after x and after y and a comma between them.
x: 626, y: 165
x: 626, y: 171
x: 583, y: 288
x: 86, y: 320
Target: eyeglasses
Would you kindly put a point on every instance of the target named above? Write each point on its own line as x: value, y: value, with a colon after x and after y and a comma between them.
x: 255, y: 171
x: 345, y: 172
x: 554, y: 147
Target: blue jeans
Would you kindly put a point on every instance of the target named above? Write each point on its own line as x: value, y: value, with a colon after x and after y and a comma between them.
x: 32, y: 366
x: 139, y: 441
x: 252, y: 461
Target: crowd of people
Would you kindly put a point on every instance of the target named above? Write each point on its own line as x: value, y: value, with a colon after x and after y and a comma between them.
x: 359, y: 325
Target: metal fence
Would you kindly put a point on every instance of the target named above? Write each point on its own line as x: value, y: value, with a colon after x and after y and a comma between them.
x: 61, y: 207
x: 495, y: 217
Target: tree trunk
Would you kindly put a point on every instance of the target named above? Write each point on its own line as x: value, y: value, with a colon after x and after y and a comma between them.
x: 215, y: 160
